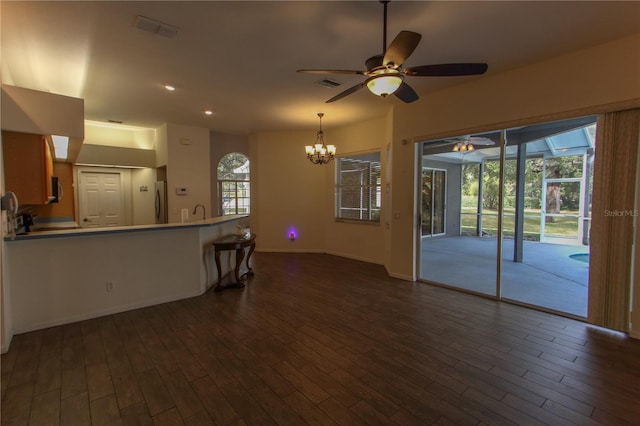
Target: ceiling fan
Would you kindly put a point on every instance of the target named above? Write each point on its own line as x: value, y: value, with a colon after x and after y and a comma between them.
x: 461, y: 144
x: 385, y: 75
x: 468, y: 143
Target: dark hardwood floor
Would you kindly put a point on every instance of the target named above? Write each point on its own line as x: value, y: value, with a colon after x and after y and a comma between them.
x: 317, y: 339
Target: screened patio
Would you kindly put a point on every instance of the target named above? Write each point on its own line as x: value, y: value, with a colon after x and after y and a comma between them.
x: 535, y: 210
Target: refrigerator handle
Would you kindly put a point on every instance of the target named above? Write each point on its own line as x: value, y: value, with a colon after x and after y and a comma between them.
x: 157, y: 205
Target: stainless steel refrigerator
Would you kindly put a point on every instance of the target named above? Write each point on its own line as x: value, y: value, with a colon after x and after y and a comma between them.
x: 162, y: 215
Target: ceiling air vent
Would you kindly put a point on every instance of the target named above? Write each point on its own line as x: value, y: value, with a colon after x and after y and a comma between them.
x: 155, y: 27
x: 328, y: 83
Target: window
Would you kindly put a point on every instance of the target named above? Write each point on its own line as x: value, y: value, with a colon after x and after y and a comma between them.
x: 358, y: 187
x: 233, y: 184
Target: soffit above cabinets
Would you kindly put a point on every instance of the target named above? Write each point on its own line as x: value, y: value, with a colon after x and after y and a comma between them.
x: 36, y: 112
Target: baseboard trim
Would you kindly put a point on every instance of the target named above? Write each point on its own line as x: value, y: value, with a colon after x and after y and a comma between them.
x: 274, y: 250
x: 400, y: 276
x: 313, y: 251
x: 103, y: 312
x: 4, y: 348
x: 360, y: 259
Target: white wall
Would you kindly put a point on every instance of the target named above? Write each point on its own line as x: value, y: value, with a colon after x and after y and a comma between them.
x: 143, y: 202
x: 188, y: 166
x: 119, y: 135
x: 162, y: 146
x: 6, y: 333
x: 116, y: 156
x: 70, y: 280
x: 145, y: 266
x: 32, y: 111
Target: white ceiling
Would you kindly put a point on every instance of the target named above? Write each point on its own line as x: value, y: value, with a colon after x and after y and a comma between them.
x: 239, y: 58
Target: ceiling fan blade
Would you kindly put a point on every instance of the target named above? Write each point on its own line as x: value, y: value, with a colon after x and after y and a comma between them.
x: 479, y: 140
x: 405, y: 93
x: 447, y: 70
x: 401, y: 48
x: 347, y: 92
x: 332, y: 72
x: 438, y: 143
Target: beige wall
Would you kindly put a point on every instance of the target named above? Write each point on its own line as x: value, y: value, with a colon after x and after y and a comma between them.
x: 291, y: 193
x: 357, y: 241
x: 288, y: 191
x: 189, y: 167
x: 635, y: 292
x: 582, y: 82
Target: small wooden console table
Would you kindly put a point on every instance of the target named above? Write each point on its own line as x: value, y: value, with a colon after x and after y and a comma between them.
x: 237, y: 243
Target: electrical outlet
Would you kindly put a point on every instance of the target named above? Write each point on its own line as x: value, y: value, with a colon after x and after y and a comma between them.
x: 109, y: 286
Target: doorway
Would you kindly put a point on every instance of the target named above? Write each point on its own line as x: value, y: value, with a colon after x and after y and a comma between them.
x: 101, y: 199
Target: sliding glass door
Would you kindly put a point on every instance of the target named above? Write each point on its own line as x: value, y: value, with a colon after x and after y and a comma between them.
x: 433, y: 201
x: 517, y: 214
x: 450, y: 220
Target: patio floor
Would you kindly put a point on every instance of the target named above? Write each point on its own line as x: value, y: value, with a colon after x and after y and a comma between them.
x: 547, y: 277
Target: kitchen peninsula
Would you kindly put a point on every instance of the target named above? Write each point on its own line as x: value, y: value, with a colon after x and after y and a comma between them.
x: 59, y: 277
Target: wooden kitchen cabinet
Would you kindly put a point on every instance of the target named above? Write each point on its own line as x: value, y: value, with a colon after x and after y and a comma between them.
x: 28, y: 167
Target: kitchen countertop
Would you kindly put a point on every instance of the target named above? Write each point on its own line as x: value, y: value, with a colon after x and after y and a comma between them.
x: 122, y: 229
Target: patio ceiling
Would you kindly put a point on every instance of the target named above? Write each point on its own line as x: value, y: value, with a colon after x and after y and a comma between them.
x: 555, y: 139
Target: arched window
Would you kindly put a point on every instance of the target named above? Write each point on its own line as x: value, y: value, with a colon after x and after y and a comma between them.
x: 233, y: 184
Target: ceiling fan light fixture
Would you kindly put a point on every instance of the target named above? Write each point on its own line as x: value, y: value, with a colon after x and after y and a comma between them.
x: 384, y: 84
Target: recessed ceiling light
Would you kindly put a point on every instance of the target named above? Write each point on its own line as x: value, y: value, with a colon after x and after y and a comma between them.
x: 208, y: 112
x: 169, y: 87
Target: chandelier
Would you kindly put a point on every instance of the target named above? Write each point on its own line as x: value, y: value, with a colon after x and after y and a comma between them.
x: 320, y: 153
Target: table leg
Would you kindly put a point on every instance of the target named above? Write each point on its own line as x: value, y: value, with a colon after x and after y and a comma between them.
x: 218, y: 267
x: 252, y: 247
x: 239, y: 257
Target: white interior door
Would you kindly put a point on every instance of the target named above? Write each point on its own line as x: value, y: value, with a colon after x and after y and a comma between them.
x: 101, y: 202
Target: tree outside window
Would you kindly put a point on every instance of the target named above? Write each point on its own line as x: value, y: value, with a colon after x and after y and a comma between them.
x: 233, y: 184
